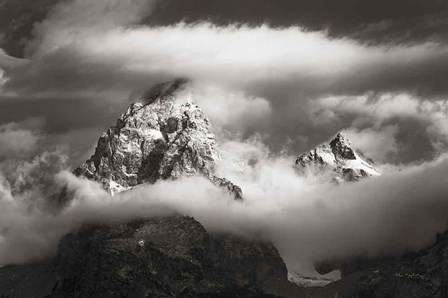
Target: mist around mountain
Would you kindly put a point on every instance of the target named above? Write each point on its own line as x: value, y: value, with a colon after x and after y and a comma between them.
x: 164, y: 136
x: 305, y: 157
x: 161, y: 160
x: 338, y: 158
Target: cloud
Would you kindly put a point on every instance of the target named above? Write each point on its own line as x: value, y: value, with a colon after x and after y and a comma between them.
x: 260, y: 78
x: 403, y: 21
x: 38, y: 174
x: 397, y: 213
x: 19, y: 139
x: 308, y: 221
x: 17, y: 19
x: 402, y: 123
x: 71, y: 21
x: 231, y: 110
x: 8, y: 62
x: 373, y: 22
x: 379, y: 143
x: 266, y: 89
x: 237, y: 55
x: 15, y: 141
x: 277, y: 72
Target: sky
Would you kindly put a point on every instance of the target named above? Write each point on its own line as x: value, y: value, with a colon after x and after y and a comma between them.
x: 311, y: 67
x: 276, y: 78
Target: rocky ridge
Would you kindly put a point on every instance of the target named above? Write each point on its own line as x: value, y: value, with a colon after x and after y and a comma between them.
x: 421, y: 274
x: 166, y: 136
x: 415, y: 275
x: 339, y: 159
x: 159, y: 257
x: 162, y: 136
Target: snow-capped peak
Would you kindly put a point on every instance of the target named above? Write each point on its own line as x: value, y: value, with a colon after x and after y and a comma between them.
x: 339, y: 159
x: 342, y: 147
x: 164, y: 135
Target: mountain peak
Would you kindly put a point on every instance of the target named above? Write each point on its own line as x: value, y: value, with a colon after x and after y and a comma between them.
x: 339, y: 159
x: 341, y: 138
x: 164, y: 137
x: 341, y: 146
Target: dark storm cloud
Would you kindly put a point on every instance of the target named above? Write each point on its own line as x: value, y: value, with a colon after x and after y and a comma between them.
x: 262, y: 57
x: 92, y: 59
x: 61, y: 114
x: 371, y: 21
x: 265, y: 88
x: 285, y: 69
x: 18, y: 139
x: 72, y: 124
x: 17, y: 19
x: 70, y: 72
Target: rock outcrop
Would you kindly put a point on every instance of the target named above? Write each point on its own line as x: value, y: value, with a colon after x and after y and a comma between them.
x: 166, y: 257
x: 415, y: 275
x: 338, y: 159
x: 422, y: 274
x: 163, y: 136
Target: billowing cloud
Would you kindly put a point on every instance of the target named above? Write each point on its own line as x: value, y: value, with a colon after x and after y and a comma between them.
x: 8, y: 62
x: 257, y: 57
x: 308, y: 221
x: 285, y: 83
x: 231, y: 110
x: 17, y: 19
x: 400, y: 21
x: 19, y: 139
x: 270, y: 91
x: 403, y: 21
x: 71, y: 21
x: 379, y: 143
x: 102, y: 58
x: 401, y: 122
x: 38, y: 175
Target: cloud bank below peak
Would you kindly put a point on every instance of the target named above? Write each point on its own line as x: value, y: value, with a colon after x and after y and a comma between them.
x: 265, y: 88
x: 383, y: 216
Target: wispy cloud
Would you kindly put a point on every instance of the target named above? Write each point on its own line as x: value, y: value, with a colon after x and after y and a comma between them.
x: 308, y: 222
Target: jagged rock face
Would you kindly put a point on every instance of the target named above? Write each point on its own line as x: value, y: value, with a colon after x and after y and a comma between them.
x: 421, y: 274
x: 414, y: 275
x: 164, y: 136
x: 167, y: 257
x: 338, y: 158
